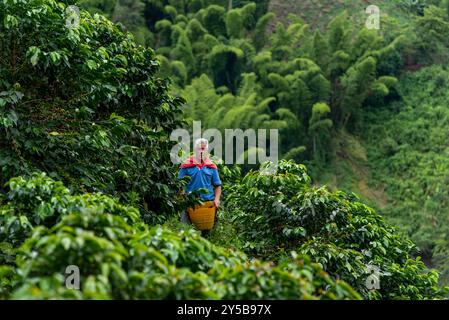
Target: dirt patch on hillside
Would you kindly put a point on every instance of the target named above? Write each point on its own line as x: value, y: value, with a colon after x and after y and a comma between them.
x: 350, y: 170
x: 318, y: 13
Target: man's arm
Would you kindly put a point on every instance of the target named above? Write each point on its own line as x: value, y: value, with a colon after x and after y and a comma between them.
x: 217, y: 191
x: 217, y: 187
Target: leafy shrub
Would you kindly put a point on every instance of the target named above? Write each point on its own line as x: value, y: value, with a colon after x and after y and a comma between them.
x: 145, y: 272
x: 39, y: 200
x: 282, y: 212
x: 85, y: 106
x: 7, y: 281
x: 118, y: 260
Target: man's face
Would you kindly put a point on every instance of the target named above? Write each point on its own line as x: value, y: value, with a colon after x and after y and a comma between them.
x: 201, y: 148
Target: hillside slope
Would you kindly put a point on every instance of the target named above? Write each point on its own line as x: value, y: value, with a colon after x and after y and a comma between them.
x: 318, y: 13
x: 396, y: 159
x: 408, y: 153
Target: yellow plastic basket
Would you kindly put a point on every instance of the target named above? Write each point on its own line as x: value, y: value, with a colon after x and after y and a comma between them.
x: 203, y: 216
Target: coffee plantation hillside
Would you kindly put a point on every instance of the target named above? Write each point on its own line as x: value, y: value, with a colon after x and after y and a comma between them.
x: 120, y: 257
x: 86, y: 177
x: 84, y: 105
x: 316, y: 77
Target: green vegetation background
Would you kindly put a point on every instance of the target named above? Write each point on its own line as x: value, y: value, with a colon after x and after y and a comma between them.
x: 363, y: 109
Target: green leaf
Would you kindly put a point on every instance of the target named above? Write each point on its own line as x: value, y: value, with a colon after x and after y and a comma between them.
x: 34, y: 52
x: 92, y: 65
x: 55, y: 57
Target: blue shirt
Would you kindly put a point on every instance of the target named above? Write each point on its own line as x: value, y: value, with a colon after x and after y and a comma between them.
x: 201, y: 178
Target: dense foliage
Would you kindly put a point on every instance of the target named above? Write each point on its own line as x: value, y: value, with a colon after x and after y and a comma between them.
x: 282, y: 212
x: 409, y: 153
x: 85, y: 171
x: 225, y: 63
x: 84, y: 105
x: 120, y: 257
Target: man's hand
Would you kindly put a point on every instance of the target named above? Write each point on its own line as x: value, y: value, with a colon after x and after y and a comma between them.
x: 217, y: 196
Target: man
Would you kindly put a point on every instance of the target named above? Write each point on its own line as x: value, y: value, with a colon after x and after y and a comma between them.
x: 203, y: 173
